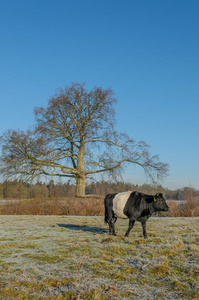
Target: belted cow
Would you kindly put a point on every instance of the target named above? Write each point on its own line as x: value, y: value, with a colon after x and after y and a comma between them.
x: 133, y: 205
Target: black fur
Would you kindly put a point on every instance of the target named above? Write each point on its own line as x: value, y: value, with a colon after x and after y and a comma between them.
x: 110, y: 217
x: 139, y: 207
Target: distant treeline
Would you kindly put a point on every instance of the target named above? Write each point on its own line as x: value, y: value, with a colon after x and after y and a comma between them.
x: 20, y: 190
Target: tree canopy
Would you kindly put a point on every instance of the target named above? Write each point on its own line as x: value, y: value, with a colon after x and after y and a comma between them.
x: 75, y: 137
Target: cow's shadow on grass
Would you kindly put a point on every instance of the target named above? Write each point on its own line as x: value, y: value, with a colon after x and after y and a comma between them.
x: 86, y: 228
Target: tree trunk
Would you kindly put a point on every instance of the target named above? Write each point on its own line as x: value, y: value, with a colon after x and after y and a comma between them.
x: 80, y: 187
x: 81, y: 178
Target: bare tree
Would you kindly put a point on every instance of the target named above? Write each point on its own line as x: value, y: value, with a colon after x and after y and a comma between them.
x: 75, y: 137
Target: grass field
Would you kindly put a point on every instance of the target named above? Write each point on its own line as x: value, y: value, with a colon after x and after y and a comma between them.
x: 57, y: 257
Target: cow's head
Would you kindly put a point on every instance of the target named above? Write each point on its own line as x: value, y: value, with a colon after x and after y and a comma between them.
x: 160, y: 203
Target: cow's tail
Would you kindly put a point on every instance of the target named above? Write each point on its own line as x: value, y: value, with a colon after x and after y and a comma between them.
x: 106, y: 210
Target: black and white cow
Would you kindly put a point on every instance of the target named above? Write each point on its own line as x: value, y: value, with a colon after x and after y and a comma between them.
x: 133, y: 205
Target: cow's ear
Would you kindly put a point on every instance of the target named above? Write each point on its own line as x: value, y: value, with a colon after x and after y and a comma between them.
x: 154, y: 199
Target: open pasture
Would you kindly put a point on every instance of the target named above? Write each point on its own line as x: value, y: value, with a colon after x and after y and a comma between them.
x: 57, y: 257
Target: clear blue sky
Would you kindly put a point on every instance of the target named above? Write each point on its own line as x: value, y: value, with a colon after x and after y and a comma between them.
x: 146, y: 51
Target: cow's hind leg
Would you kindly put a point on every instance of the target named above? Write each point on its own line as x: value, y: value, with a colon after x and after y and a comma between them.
x: 111, y: 224
x: 131, y: 224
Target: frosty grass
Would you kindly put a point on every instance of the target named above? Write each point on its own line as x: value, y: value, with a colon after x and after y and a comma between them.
x: 70, y: 257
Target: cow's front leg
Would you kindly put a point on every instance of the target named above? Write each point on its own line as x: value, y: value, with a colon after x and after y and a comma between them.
x: 131, y: 224
x: 144, y: 229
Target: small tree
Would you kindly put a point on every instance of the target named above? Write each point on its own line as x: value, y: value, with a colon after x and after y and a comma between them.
x: 75, y: 137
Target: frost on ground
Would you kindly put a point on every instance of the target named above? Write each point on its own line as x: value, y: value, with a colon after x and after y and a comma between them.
x: 57, y: 257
